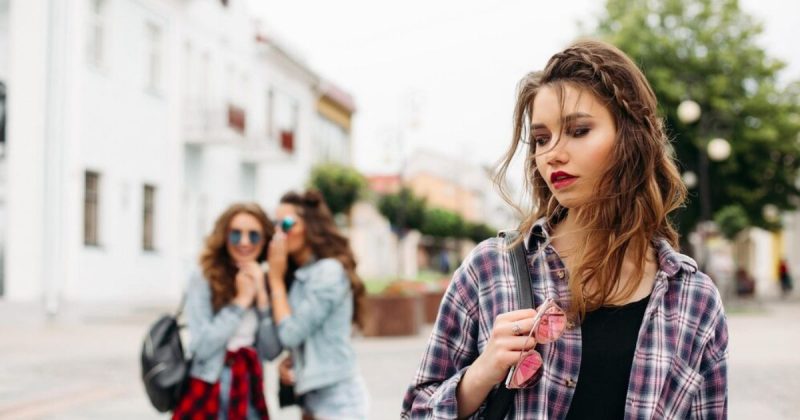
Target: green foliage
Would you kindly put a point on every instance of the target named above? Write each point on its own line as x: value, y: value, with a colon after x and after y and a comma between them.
x: 441, y: 223
x: 706, y: 50
x: 341, y: 185
x: 477, y: 232
x: 731, y: 220
x: 403, y: 209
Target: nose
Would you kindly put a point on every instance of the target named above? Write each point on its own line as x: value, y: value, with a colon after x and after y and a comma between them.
x: 557, y: 153
x: 245, y: 239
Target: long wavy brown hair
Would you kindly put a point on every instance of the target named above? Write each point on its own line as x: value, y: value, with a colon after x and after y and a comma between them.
x: 326, y: 241
x: 215, y: 261
x: 640, y: 187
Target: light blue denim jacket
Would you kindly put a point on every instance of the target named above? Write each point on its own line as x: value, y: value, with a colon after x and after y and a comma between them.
x: 318, y: 330
x: 209, y: 332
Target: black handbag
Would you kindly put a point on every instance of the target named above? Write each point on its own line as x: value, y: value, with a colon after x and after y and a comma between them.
x: 286, y: 395
x: 165, y: 367
x: 500, y: 401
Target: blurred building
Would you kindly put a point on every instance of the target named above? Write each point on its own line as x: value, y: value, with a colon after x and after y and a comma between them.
x: 459, y: 186
x: 132, y: 125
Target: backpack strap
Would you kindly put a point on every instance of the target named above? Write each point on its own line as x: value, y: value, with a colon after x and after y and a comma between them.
x: 500, y: 400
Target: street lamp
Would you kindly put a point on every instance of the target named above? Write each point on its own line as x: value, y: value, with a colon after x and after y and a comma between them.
x: 717, y: 149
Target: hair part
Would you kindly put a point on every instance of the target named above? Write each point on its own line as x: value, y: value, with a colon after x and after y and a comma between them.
x: 326, y: 241
x: 217, y: 264
x: 639, y: 189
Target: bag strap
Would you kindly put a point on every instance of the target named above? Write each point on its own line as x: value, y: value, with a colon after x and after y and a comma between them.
x: 501, y: 400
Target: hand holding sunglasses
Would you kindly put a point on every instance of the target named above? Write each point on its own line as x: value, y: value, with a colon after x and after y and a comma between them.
x: 548, y: 325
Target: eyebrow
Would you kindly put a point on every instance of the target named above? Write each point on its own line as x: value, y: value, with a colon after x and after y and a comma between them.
x: 566, y: 120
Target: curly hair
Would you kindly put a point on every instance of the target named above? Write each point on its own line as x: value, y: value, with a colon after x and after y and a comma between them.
x: 640, y: 187
x: 326, y: 241
x: 215, y: 262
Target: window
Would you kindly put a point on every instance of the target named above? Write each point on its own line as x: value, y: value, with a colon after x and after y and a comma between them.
x: 96, y: 33
x: 148, y: 225
x: 154, y: 56
x: 2, y: 118
x: 283, y: 118
x: 91, y: 202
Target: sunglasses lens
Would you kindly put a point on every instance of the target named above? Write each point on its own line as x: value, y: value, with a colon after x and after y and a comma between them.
x: 551, y: 325
x: 235, y: 236
x: 528, y: 370
x: 286, y: 224
x: 255, y: 237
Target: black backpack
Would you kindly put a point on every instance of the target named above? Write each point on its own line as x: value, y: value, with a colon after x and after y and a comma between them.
x: 165, y: 367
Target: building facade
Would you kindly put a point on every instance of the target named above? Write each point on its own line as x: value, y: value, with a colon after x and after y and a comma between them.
x: 133, y: 124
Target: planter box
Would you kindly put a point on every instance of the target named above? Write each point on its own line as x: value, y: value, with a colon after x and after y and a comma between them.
x: 431, y: 301
x: 393, y: 315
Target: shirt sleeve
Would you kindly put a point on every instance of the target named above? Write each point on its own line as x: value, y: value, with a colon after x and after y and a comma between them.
x: 267, y: 342
x: 711, y: 400
x: 451, y: 349
x: 327, y: 288
x: 209, y: 332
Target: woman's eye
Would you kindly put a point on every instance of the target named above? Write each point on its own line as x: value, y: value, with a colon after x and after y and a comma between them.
x: 541, y: 140
x: 580, y: 132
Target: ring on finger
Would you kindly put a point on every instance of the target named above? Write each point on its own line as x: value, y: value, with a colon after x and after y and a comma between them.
x: 515, y: 329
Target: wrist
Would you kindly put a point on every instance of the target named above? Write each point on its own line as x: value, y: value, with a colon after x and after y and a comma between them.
x: 242, y: 302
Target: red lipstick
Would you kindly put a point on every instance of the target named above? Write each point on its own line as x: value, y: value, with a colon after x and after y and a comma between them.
x: 561, y: 179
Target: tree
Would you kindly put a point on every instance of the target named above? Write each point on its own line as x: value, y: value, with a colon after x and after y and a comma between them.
x: 341, y: 185
x: 705, y: 50
x: 441, y: 223
x: 403, y: 209
x: 477, y: 232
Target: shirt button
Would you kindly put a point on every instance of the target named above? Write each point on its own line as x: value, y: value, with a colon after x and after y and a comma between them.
x: 570, y: 325
x: 560, y: 274
x: 570, y: 383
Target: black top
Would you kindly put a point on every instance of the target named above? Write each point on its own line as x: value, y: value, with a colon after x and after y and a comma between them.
x: 609, y: 337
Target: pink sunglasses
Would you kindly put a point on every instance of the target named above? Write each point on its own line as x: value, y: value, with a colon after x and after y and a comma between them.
x: 548, y: 325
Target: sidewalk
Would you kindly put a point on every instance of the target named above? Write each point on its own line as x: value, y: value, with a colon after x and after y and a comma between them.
x: 84, y: 364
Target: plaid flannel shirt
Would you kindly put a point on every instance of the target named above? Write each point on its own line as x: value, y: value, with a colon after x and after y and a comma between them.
x: 680, y: 364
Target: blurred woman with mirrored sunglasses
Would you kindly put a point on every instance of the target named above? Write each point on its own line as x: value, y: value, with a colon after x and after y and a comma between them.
x: 230, y: 329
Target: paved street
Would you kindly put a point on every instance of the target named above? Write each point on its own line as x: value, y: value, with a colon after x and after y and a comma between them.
x: 84, y: 364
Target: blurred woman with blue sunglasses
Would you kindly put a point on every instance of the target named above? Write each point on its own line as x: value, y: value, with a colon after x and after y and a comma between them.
x: 316, y: 297
x: 230, y: 329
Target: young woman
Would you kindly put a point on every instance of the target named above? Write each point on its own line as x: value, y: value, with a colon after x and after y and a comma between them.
x: 626, y: 326
x: 230, y: 330
x: 324, y: 299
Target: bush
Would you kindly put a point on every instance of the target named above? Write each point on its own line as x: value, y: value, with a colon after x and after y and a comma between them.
x: 404, y: 210
x: 341, y: 185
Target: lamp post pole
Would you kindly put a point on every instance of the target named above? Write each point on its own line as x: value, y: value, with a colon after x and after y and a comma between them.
x: 717, y: 149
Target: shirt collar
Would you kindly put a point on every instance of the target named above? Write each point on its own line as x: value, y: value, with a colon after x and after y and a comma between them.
x: 303, y: 272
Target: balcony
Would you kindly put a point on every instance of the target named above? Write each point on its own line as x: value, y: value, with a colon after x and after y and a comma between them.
x: 205, y: 124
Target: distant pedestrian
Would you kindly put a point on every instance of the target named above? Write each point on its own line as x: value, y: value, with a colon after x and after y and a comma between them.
x: 316, y: 299
x: 229, y: 326
x: 785, y: 277
x: 624, y: 325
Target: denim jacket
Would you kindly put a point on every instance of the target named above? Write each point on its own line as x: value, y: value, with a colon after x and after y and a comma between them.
x: 318, y: 330
x: 209, y: 332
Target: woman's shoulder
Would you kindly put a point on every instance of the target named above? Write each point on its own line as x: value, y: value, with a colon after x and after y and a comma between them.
x: 198, y: 280
x: 329, y: 264
x: 484, y: 264
x: 688, y: 282
x: 326, y: 271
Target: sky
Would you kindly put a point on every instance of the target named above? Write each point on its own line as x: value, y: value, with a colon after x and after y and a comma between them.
x: 441, y: 75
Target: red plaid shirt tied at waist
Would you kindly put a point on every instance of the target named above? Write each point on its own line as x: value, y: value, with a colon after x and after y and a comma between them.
x: 202, y: 399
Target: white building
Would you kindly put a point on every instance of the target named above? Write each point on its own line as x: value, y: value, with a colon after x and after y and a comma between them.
x: 133, y: 123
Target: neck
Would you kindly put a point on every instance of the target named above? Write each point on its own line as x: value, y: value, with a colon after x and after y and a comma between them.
x: 302, y: 256
x: 567, y: 233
